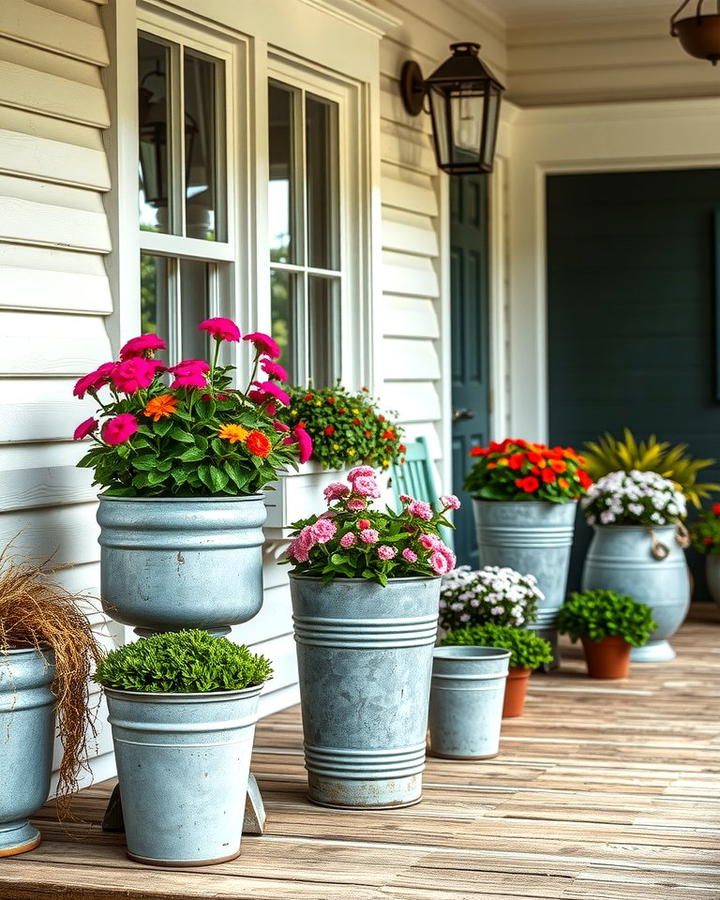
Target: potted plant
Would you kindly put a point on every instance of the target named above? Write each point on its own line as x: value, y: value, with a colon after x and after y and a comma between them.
x: 491, y: 594
x: 182, y: 466
x: 183, y: 708
x: 705, y: 535
x: 347, y: 429
x: 47, y: 651
x: 527, y: 652
x: 608, y: 625
x: 365, y: 586
x: 524, y: 504
x: 637, y: 550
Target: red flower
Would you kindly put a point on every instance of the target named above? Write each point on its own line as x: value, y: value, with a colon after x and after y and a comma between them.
x: 584, y: 479
x: 479, y: 451
x: 534, y: 457
x: 258, y: 444
x: 363, y: 523
x: 529, y: 484
x: 381, y: 418
x: 342, y: 410
x: 356, y: 421
x: 368, y: 434
x: 402, y: 448
x: 516, y: 461
x: 389, y: 435
x: 330, y: 430
x: 332, y: 400
x: 709, y: 540
x: 308, y: 397
x: 716, y: 509
x: 548, y: 476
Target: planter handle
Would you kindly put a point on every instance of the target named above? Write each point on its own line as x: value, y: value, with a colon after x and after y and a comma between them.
x: 682, y: 536
x: 658, y: 550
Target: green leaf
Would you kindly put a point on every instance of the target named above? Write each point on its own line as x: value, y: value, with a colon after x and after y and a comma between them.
x: 192, y: 454
x: 178, y: 434
x: 218, y: 478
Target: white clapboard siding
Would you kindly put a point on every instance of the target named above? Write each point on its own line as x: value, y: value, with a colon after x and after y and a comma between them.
x: 402, y: 229
x: 38, y: 344
x: 82, y: 10
x: 410, y: 317
x: 417, y: 401
x: 281, y: 690
x: 28, y: 23
x: 410, y: 359
x: 406, y: 148
x: 66, y: 534
x: 408, y: 190
x: 33, y: 409
x: 407, y: 273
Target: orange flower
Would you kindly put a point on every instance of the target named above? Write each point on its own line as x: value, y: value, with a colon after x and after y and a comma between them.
x: 563, y: 483
x: 233, y: 433
x: 258, y: 444
x: 558, y: 465
x: 160, y: 407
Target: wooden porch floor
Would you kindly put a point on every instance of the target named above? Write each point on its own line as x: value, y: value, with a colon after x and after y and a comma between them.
x: 602, y: 790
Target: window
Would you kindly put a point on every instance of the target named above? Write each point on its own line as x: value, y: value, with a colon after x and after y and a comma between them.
x: 304, y: 231
x: 183, y: 209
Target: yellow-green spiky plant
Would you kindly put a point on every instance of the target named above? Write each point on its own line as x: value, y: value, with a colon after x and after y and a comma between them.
x: 611, y: 454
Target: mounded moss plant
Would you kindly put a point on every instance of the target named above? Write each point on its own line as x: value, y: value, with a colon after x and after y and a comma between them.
x: 527, y: 650
x: 182, y: 662
x: 35, y: 612
x: 596, y: 615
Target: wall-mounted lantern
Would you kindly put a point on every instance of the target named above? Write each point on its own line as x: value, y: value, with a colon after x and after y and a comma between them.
x: 699, y: 33
x: 464, y: 99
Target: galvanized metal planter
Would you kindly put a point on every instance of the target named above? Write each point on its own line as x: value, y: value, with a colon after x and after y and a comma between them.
x: 172, y: 563
x: 620, y: 559
x: 27, y: 731
x: 365, y: 659
x: 533, y: 537
x: 183, y: 763
x: 712, y: 575
x: 466, y: 701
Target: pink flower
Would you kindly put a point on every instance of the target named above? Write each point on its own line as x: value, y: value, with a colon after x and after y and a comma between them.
x: 347, y: 540
x: 439, y: 563
x: 409, y: 555
x: 134, y: 374
x: 450, y: 502
x: 85, y: 428
x: 323, y: 530
x: 264, y: 344
x: 359, y: 471
x: 448, y: 554
x: 356, y: 505
x: 274, y: 370
x: 280, y: 426
x: 369, y: 536
x: 119, y: 429
x: 420, y: 509
x: 430, y: 541
x: 386, y: 552
x: 139, y: 346
x: 271, y: 409
x: 305, y: 443
x: 94, y: 380
x: 405, y: 498
x: 257, y: 396
x: 221, y: 329
x: 299, y: 548
x: 190, y: 373
x: 363, y: 523
x: 366, y: 486
x: 336, y: 491
x: 273, y: 390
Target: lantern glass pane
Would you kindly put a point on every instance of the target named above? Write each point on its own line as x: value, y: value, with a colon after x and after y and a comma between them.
x: 282, y: 187
x: 204, y: 89
x: 154, y: 134
x: 467, y: 108
x: 440, y: 110
x: 493, y: 111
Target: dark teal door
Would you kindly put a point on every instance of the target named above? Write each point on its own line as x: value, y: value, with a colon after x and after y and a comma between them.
x: 630, y: 309
x: 470, y: 351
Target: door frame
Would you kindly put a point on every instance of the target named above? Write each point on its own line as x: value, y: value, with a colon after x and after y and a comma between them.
x: 672, y: 134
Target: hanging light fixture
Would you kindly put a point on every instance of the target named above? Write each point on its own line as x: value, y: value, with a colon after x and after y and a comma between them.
x: 699, y: 34
x: 464, y: 100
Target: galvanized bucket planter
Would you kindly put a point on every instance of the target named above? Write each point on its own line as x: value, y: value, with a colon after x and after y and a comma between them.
x: 621, y: 559
x: 183, y: 763
x: 27, y: 731
x: 364, y: 660
x: 712, y: 575
x: 533, y: 537
x: 466, y: 701
x: 173, y: 563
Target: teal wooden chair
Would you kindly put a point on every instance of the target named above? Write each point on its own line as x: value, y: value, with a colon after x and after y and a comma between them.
x: 416, y: 478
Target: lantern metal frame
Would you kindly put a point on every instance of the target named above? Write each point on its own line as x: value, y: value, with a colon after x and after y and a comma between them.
x: 698, y: 33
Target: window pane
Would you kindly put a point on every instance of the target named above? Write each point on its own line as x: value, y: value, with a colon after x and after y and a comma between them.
x: 203, y: 105
x: 323, y: 331
x: 281, y: 189
x: 154, y: 297
x: 283, y: 292
x: 194, y: 307
x: 323, y: 219
x: 154, y: 133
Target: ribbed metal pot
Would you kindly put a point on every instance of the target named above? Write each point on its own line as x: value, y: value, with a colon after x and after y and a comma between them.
x: 712, y: 575
x: 620, y: 559
x: 27, y: 731
x: 173, y: 563
x: 534, y: 538
x: 364, y: 661
x: 183, y: 763
x: 466, y: 701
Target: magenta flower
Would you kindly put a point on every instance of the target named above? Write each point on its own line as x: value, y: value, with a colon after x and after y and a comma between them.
x: 280, y: 426
x: 221, y: 329
x: 360, y: 471
x: 94, y: 380
x: 450, y: 502
x: 369, y: 536
x: 257, y: 396
x: 305, y: 443
x: 139, y: 346
x: 271, y: 409
x: 347, y: 540
x: 356, y: 505
x: 439, y: 563
x: 409, y: 555
x: 274, y: 370
x: 420, y: 509
x: 336, y: 491
x: 323, y: 530
x: 187, y: 365
x: 134, y: 374
x: 366, y: 486
x: 386, y: 552
x: 264, y: 344
x: 190, y: 373
x: 85, y: 428
x: 119, y: 429
x: 273, y: 390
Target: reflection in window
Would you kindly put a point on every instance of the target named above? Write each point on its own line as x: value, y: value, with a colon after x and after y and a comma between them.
x: 282, y: 186
x: 322, y: 189
x: 201, y: 211
x: 154, y: 300
x: 154, y: 135
x: 283, y: 298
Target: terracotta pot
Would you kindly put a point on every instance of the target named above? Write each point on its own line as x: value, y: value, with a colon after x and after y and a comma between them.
x: 609, y: 658
x: 515, y: 691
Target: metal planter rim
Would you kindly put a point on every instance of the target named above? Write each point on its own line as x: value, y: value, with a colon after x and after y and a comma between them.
x: 411, y: 579
x: 199, y: 697
x: 228, y: 498
x: 463, y: 651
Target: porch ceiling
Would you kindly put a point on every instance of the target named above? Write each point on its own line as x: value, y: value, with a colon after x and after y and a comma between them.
x: 520, y: 13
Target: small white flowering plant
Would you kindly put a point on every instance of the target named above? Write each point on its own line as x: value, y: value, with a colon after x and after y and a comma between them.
x: 634, y: 498
x: 493, y: 594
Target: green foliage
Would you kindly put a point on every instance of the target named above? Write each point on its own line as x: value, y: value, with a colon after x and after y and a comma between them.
x: 527, y: 650
x: 600, y: 614
x: 182, y: 662
x: 345, y: 427
x: 611, y: 454
x: 705, y: 532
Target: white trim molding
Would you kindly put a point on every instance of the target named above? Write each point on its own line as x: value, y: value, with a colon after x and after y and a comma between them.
x: 359, y: 14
